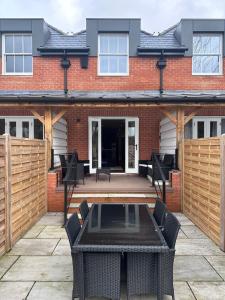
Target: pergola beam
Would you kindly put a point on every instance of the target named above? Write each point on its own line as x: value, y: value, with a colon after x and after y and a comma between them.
x: 39, y: 117
x: 57, y: 117
x: 169, y: 115
x: 189, y: 117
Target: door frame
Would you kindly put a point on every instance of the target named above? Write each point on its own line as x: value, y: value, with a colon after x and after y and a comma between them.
x: 99, y: 120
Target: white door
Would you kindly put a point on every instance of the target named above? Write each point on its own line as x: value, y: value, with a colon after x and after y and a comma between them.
x: 132, y: 145
x: 95, y: 144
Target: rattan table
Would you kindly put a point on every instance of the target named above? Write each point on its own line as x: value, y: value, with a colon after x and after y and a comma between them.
x: 119, y: 228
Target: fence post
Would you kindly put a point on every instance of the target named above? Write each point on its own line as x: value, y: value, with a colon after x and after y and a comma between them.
x: 8, y: 204
x: 222, y: 197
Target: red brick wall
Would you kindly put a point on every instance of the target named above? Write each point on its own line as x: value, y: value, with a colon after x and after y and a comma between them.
x: 148, y: 128
x: 48, y: 75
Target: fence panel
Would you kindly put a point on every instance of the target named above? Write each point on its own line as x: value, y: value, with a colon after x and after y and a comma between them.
x: 23, y: 187
x: 202, y: 185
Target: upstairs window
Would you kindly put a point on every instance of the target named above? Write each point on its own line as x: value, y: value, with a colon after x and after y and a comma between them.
x: 113, y: 54
x: 17, y: 54
x: 207, y: 54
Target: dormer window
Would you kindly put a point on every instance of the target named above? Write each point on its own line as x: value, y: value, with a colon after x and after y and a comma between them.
x: 113, y: 54
x: 207, y: 54
x: 17, y: 54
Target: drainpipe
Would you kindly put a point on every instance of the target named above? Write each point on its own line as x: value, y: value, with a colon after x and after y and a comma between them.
x: 65, y: 64
x: 161, y: 64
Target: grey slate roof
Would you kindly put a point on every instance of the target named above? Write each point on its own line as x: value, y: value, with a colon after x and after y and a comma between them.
x: 166, y: 39
x: 60, y: 40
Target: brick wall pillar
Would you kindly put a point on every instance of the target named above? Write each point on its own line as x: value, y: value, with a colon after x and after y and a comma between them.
x: 174, y: 198
x: 55, y: 198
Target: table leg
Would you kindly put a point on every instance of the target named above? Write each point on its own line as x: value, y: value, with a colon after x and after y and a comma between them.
x: 160, y: 278
x: 81, y: 284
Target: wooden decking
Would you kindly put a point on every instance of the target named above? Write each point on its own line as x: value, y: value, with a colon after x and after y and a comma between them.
x: 119, y: 184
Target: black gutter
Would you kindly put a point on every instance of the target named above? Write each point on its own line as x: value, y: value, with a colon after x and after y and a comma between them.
x: 76, y: 100
x: 158, y: 51
x: 69, y: 51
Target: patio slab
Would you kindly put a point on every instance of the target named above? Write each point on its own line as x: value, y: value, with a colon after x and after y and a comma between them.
x: 34, y: 247
x: 194, y: 268
x: 51, y: 291
x: 40, y: 268
x: 208, y: 290
x: 6, y: 262
x: 218, y: 263
x: 193, y: 232
x: 51, y: 219
x: 63, y: 248
x: 15, y: 290
x: 197, y: 247
x: 183, y: 219
x: 34, y: 232
x: 53, y: 232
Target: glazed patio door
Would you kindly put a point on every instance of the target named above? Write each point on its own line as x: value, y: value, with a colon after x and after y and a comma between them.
x: 132, y: 145
x: 95, y: 144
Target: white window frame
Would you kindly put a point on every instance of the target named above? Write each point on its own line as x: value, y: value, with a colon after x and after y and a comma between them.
x: 127, y: 54
x: 19, y: 120
x: 210, y: 54
x: 206, y: 120
x: 4, y: 57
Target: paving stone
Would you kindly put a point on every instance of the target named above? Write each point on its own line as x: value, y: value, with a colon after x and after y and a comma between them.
x: 51, y: 291
x: 14, y: 290
x: 218, y: 263
x: 194, y: 268
x: 63, y: 248
x: 51, y: 219
x: 208, y: 290
x: 197, y: 247
x: 34, y: 232
x: 53, y: 232
x: 34, y: 247
x: 183, y: 219
x: 41, y: 268
x: 181, y: 235
x: 193, y: 232
x: 5, y: 263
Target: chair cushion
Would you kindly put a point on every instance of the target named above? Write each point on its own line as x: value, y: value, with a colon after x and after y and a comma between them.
x: 168, y: 160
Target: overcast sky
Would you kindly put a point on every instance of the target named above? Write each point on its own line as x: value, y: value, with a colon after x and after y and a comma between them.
x: 70, y: 15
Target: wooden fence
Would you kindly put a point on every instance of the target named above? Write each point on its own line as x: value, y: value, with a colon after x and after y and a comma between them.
x: 23, y: 190
x: 203, y: 178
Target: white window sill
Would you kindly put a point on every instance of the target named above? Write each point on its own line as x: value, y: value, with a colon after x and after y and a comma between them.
x: 207, y: 74
x: 113, y: 74
x: 17, y: 74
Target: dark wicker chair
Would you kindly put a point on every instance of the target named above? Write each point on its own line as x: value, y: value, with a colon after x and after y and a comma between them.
x: 63, y: 163
x: 159, y: 212
x: 84, y: 210
x: 72, y: 229
x: 74, y: 169
x: 142, y: 268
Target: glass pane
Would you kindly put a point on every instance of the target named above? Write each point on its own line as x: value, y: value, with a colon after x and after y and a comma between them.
x: 213, y: 128
x: 12, y: 128
x: 95, y: 144
x: 131, y: 144
x: 104, y: 48
x: 206, y: 64
x: 2, y: 126
x: 122, y: 44
x: 18, y: 63
x: 210, y: 64
x: 223, y: 126
x: 122, y: 60
x: 18, y: 43
x: 103, y: 64
x: 27, y: 44
x: 10, y: 63
x: 113, y: 64
x: 25, y: 129
x: 9, y: 44
x: 113, y: 44
x: 203, y: 44
x: 38, y: 129
x: 200, y: 129
x: 28, y: 64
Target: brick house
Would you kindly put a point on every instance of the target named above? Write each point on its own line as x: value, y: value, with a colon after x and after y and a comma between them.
x: 113, y: 91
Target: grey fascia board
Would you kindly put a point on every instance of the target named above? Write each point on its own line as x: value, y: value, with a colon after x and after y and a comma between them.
x: 67, y: 51
x: 159, y: 51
